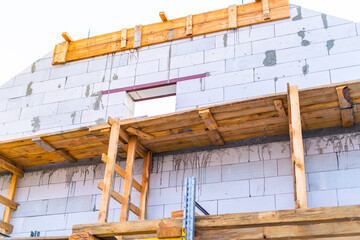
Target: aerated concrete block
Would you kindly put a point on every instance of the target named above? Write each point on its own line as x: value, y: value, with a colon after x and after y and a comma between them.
x: 246, y: 62
x: 254, y: 34
x: 279, y: 70
x: 81, y: 218
x: 43, y: 192
x: 322, y: 199
x: 257, y: 187
x: 62, y: 95
x: 187, y: 60
x: 224, y: 190
x: 197, y: 98
x: 247, y: 205
x: 243, y: 91
x: 45, y: 223
x: 348, y: 196
x: 81, y: 204
x: 276, y: 43
x: 229, y: 79
x: 56, y: 206
x: 85, y: 79
x: 38, y: 111
x: 349, y: 160
x: 192, y: 46
x: 306, y: 24
x: 31, y: 209
x: 37, y: 76
x: 213, y: 68
x: 217, y: 54
x: 155, y: 212
x: 10, y: 116
x: 321, y: 162
x: 279, y: 185
x: 26, y: 101
x: 151, y: 78
x: 300, y: 53
x: 242, y: 171
x: 159, y: 180
x: 284, y: 202
x: 345, y: 74
x: 147, y: 67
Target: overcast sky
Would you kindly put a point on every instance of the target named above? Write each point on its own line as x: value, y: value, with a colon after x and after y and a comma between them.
x: 30, y: 29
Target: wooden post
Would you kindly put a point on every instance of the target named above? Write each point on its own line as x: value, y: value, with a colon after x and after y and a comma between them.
x: 109, y: 170
x: 145, y: 185
x: 297, y: 148
x: 11, y: 196
x: 124, y: 212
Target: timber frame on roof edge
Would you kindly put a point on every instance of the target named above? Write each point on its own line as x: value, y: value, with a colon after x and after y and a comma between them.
x: 171, y: 29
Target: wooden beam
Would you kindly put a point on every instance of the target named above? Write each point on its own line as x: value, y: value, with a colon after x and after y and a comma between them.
x: 11, y: 197
x: 232, y: 16
x: 145, y: 185
x: 47, y: 146
x: 212, y: 125
x: 67, y: 37
x: 7, y: 202
x: 189, y: 25
x: 123, y: 38
x: 109, y: 171
x: 122, y: 173
x: 8, y: 165
x: 163, y: 16
x: 297, y: 148
x: 295, y: 218
x: 119, y: 198
x: 203, y: 23
x: 346, y: 109
x: 139, y: 133
x: 7, y: 227
x: 124, y: 212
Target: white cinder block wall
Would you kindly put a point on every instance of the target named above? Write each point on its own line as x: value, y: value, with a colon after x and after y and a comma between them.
x: 230, y: 180
x: 309, y: 49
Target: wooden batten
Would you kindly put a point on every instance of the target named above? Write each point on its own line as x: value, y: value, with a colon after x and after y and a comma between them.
x: 175, y: 29
x: 10, y: 166
x: 41, y: 142
x: 124, y: 212
x: 212, y: 125
x: 280, y: 108
x: 232, y: 16
x: 83, y: 236
x: 67, y: 37
x: 297, y: 148
x: 346, y: 109
x: 163, y: 16
x: 109, y: 171
x: 9, y: 203
x: 139, y: 133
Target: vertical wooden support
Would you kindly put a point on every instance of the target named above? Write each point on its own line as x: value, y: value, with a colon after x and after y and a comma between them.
x: 109, y: 170
x: 297, y: 148
x: 189, y: 25
x: 232, y: 16
x: 123, y: 38
x: 345, y: 104
x: 60, y: 52
x: 124, y: 212
x: 266, y: 9
x: 11, y: 196
x: 137, y: 36
x: 145, y: 185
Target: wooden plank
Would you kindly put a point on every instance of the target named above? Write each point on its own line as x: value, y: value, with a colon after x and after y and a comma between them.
x: 139, y: 133
x: 215, y: 137
x: 124, y: 212
x: 8, y: 165
x: 293, y: 218
x: 137, y: 36
x: 123, y: 38
x: 47, y: 146
x: 145, y: 185
x: 169, y: 232
x: 189, y: 25
x: 109, y: 171
x: 66, y: 155
x: 67, y: 37
x: 7, y: 227
x: 7, y: 202
x: 266, y: 9
x: 297, y: 148
x: 11, y: 196
x: 312, y: 231
x: 163, y: 16
x: 122, y: 173
x: 119, y: 198
x: 347, y: 111
x: 232, y: 16
x: 203, y: 23
x: 60, y: 52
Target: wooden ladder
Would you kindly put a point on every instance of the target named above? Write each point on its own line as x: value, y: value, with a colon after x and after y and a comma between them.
x: 117, y: 138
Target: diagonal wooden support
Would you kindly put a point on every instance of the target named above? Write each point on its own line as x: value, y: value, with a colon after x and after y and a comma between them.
x: 124, y: 212
x: 41, y: 142
x: 266, y: 9
x: 281, y: 111
x: 297, y: 148
x: 163, y: 16
x: 109, y: 171
x: 10, y: 166
x: 346, y: 109
x: 11, y: 197
x: 145, y: 185
x: 212, y: 125
x: 122, y: 173
x: 117, y: 196
x: 139, y: 133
